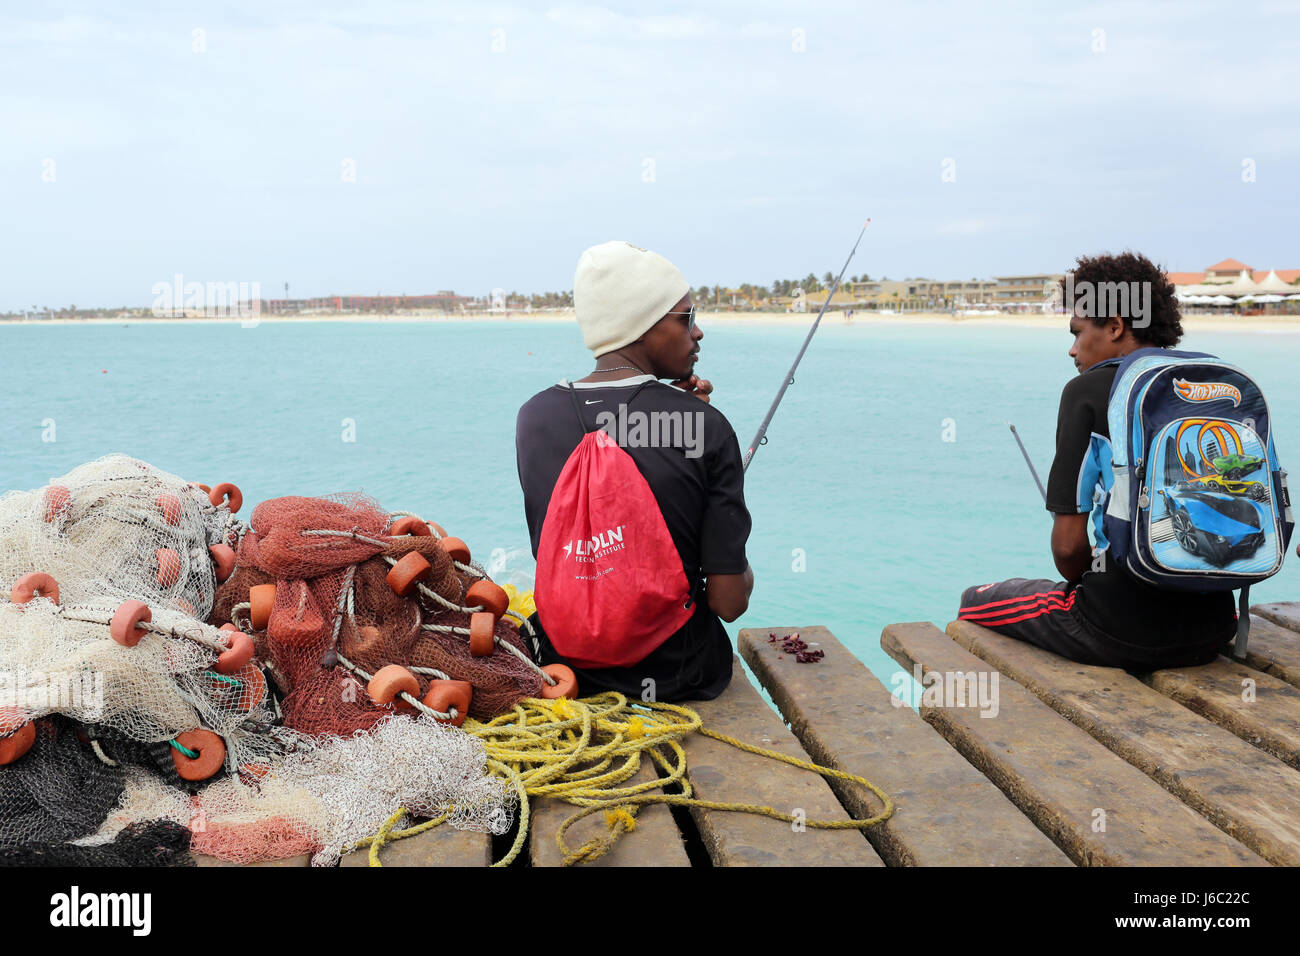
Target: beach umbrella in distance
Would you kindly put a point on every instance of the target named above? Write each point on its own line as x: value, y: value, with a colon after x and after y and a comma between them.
x: 1242, y: 285
x: 1274, y: 285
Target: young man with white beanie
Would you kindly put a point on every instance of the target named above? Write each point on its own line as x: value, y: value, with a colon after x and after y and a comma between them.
x: 634, y: 309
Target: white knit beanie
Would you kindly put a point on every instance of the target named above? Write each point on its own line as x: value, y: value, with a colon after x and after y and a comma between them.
x: 621, y: 290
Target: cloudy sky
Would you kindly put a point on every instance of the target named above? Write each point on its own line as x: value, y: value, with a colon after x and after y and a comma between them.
x: 407, y: 147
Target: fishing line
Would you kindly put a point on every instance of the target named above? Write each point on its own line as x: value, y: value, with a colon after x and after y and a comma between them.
x: 761, y: 437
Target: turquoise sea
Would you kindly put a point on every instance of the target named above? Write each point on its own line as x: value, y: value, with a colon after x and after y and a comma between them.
x: 891, y: 520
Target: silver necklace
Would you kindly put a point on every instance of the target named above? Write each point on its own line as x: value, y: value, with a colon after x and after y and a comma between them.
x: 619, y: 368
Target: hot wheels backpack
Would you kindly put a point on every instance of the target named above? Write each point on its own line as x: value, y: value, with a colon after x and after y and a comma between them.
x: 1199, y: 501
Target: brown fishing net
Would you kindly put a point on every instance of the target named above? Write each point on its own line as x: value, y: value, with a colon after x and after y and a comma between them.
x: 336, y: 618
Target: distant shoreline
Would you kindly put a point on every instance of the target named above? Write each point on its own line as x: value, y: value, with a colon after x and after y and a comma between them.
x: 1215, y: 323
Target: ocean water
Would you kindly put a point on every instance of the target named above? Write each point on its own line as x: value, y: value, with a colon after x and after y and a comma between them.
x: 863, y: 513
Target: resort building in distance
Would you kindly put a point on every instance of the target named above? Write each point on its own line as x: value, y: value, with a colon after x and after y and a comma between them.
x: 1227, y: 286
x: 1004, y: 293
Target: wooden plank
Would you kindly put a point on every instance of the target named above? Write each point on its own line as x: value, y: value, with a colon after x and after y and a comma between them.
x: 300, y: 860
x: 1283, y: 613
x: 947, y: 812
x: 1245, y: 792
x: 441, y: 846
x: 656, y: 841
x: 1257, y: 707
x: 1273, y: 646
x: 1098, y: 808
x: 720, y: 772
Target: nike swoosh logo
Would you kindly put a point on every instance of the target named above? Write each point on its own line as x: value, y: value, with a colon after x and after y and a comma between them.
x: 593, y: 401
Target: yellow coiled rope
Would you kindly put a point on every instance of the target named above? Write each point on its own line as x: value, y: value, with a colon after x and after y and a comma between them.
x: 583, y: 751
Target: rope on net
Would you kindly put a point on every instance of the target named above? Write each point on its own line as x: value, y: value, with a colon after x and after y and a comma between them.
x: 583, y: 751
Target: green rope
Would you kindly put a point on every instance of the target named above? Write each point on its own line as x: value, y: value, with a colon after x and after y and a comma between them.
x: 192, y: 754
x: 222, y: 677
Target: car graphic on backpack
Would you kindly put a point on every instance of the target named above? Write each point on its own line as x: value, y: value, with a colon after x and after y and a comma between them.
x: 1215, y: 526
x: 1229, y: 472
x: 1235, y: 467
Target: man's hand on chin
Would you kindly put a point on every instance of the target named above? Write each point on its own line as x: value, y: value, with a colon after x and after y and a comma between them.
x: 701, y: 388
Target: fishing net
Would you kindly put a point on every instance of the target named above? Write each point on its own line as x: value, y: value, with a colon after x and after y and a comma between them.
x: 152, y: 843
x: 326, y: 794
x: 126, y: 717
x: 336, y: 590
x: 118, y: 527
x: 64, y: 658
x: 58, y: 791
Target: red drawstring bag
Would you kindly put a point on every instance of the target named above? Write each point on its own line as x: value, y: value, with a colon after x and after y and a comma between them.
x: 610, y: 584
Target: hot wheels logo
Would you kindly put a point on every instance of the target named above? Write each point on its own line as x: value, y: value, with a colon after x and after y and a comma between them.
x: 1206, y: 391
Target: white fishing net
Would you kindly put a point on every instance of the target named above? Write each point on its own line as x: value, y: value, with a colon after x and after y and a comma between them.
x: 119, y: 527
x: 325, y: 796
x: 60, y: 658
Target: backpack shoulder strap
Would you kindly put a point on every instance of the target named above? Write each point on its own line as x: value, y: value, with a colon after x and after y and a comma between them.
x: 577, y: 408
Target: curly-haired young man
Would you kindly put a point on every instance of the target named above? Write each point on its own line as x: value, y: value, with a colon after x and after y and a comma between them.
x: 1100, y: 614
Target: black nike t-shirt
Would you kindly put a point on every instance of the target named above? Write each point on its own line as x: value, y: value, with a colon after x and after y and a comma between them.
x: 699, y: 487
x: 1111, y: 601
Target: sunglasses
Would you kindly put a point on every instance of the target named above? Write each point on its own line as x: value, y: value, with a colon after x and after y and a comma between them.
x: 690, y: 318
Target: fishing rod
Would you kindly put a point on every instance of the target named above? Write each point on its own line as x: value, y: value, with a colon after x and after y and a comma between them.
x: 1032, y: 470
x: 761, y: 437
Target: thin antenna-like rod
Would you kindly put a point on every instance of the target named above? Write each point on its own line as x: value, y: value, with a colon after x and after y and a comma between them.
x: 1032, y: 470
x: 789, y: 376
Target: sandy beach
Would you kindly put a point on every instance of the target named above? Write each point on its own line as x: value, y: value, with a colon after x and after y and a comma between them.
x: 1216, y: 323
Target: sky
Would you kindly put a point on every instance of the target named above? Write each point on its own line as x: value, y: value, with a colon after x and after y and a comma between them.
x: 410, y: 147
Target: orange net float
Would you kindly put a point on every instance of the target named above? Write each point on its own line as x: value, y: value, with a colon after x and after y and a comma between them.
x: 223, y: 560
x: 566, y: 682
x: 443, y: 695
x: 295, y: 631
x: 250, y: 774
x: 58, y: 501
x: 456, y: 549
x: 368, y: 641
x: 125, y: 626
x: 33, y: 584
x: 438, y: 529
x: 408, y: 524
x: 248, y: 689
x: 261, y: 600
x: 390, y: 681
x: 482, y: 633
x: 19, y: 734
x: 296, y: 622
x: 169, y: 566
x: 408, y: 572
x: 211, y: 757
x: 170, y: 506
x: 228, y: 493
x: 488, y: 595
x: 239, y: 652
